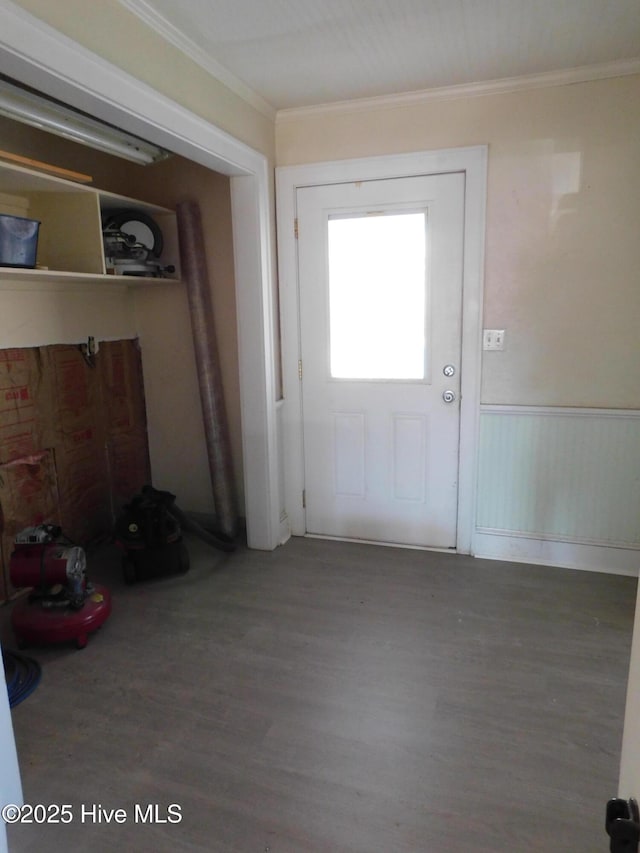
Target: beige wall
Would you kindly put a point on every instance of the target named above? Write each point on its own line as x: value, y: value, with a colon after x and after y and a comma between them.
x: 109, y: 30
x: 563, y: 215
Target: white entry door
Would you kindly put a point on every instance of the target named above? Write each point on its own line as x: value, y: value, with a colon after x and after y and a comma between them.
x: 380, y: 277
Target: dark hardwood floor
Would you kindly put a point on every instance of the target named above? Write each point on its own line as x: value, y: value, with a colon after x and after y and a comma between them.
x: 335, y: 697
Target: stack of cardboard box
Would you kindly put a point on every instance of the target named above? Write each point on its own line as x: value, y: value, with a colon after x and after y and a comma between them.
x: 73, y: 440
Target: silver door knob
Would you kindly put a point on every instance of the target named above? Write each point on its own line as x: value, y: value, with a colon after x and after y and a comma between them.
x: 449, y: 370
x: 449, y: 396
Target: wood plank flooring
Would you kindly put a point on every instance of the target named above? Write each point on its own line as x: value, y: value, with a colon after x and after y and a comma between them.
x: 336, y: 697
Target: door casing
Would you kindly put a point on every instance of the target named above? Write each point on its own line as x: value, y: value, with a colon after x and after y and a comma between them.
x: 398, y: 480
x: 473, y: 162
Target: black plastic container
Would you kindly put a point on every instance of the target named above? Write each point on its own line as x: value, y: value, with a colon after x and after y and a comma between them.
x: 18, y: 241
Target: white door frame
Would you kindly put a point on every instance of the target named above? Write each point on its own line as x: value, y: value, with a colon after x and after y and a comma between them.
x: 473, y: 162
x: 49, y: 61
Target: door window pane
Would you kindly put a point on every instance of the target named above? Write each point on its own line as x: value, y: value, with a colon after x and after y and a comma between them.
x: 377, y: 296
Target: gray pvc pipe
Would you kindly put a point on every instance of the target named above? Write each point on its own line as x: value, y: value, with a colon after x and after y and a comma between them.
x: 196, y: 277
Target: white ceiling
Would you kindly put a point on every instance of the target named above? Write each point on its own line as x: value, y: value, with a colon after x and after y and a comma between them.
x: 293, y: 53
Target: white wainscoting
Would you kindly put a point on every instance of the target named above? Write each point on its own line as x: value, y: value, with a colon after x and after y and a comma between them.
x: 559, y: 486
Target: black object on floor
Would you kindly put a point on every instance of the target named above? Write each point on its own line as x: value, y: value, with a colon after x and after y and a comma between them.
x: 622, y: 823
x: 151, y: 537
x: 149, y: 531
x: 22, y: 675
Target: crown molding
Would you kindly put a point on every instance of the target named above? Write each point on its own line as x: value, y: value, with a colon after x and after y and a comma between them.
x: 582, y: 74
x: 158, y: 23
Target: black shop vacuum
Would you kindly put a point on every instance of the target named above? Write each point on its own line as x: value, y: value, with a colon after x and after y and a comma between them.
x: 149, y: 532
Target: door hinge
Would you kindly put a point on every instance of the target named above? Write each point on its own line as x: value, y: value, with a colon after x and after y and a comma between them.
x: 300, y: 369
x: 304, y: 499
x: 295, y: 228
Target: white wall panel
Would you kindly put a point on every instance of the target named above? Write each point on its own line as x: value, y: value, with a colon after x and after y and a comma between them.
x: 565, y: 474
x: 349, y: 453
x: 409, y: 457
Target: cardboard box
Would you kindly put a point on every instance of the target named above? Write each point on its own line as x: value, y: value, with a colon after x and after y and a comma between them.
x: 79, y: 436
x: 120, y: 365
x: 122, y: 388
x: 24, y: 403
x: 73, y: 440
x: 28, y: 496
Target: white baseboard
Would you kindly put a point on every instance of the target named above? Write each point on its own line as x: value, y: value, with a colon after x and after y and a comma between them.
x: 285, y: 529
x: 568, y: 555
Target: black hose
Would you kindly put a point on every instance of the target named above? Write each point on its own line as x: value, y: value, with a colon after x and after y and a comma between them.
x: 22, y: 675
x: 216, y: 540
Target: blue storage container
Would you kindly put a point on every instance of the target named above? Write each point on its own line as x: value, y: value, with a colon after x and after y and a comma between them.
x: 18, y: 241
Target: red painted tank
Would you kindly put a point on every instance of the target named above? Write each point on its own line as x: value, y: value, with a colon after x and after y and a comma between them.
x: 36, y: 625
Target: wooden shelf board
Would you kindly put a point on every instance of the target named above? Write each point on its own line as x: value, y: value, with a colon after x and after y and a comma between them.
x: 16, y: 278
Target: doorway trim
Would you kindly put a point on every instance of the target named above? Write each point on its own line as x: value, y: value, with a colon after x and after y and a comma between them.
x: 40, y: 56
x: 472, y: 161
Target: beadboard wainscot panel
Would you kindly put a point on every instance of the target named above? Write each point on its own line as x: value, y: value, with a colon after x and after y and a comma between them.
x: 560, y: 486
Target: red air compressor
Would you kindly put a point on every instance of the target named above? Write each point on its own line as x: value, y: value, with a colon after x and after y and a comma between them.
x: 62, y: 605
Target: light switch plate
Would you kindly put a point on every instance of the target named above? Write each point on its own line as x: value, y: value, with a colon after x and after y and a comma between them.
x: 493, y: 339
